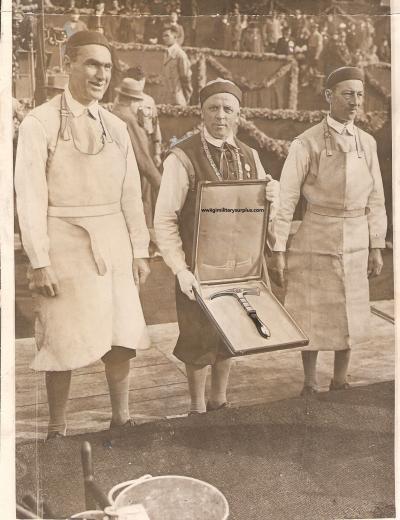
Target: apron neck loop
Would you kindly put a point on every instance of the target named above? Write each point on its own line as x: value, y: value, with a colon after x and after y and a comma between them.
x: 328, y: 139
x: 64, y: 132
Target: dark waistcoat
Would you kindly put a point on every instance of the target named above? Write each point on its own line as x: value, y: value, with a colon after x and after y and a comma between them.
x: 202, y: 171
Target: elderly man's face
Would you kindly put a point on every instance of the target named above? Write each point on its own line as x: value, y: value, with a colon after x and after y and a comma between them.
x: 90, y: 73
x: 346, y: 99
x: 221, y: 115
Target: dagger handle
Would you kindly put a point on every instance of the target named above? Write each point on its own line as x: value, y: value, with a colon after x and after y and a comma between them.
x: 245, y: 304
x: 252, y: 313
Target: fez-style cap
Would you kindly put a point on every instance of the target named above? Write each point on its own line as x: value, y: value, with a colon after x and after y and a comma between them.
x: 220, y: 86
x: 344, y: 74
x: 81, y: 38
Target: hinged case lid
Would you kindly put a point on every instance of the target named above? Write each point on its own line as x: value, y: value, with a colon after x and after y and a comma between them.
x: 230, y: 231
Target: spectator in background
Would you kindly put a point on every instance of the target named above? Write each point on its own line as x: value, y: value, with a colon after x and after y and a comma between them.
x: 351, y: 38
x: 372, y: 57
x: 190, y: 8
x: 332, y: 24
x: 358, y: 59
x: 300, y: 52
x: 127, y: 30
x: 384, y: 51
x: 223, y: 34
x: 271, y: 32
x: 314, y: 50
x: 145, y: 134
x: 114, y: 8
x: 96, y: 21
x: 285, y: 44
x: 177, y: 71
x: 336, y: 54
x: 237, y: 28
x: 152, y: 30
x: 179, y: 29
x: 365, y: 39
x: 297, y: 24
x: 74, y: 24
x: 252, y: 40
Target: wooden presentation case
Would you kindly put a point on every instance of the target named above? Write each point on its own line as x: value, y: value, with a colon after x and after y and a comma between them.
x: 228, y: 252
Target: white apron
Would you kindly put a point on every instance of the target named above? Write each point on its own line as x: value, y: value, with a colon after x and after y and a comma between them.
x: 90, y: 251
x: 328, y: 291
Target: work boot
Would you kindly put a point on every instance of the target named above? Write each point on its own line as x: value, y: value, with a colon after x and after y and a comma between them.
x: 122, y: 427
x: 211, y: 408
x: 309, y: 391
x: 344, y: 386
x: 54, y: 435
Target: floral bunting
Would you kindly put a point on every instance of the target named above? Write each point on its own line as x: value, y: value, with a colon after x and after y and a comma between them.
x: 374, y: 83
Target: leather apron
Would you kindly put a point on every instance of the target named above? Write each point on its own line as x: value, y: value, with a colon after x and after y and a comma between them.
x: 328, y: 291
x: 90, y: 251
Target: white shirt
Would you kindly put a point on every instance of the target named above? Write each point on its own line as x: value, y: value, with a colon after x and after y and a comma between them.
x: 78, y: 109
x: 295, y: 171
x: 340, y: 128
x: 34, y: 143
x: 171, y: 198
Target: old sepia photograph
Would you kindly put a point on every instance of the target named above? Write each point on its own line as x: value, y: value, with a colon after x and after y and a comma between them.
x: 203, y: 255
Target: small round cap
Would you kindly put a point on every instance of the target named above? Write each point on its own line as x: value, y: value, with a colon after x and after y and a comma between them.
x: 81, y: 38
x: 220, y: 86
x: 344, y: 74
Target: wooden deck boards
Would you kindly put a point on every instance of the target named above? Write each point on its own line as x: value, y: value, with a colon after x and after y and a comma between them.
x: 158, y: 386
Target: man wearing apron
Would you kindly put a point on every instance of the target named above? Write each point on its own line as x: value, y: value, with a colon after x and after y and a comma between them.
x: 213, y: 154
x: 334, y: 165
x: 83, y: 229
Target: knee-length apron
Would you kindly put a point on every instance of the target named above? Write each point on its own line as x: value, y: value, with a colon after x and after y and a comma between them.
x: 91, y: 254
x: 328, y: 291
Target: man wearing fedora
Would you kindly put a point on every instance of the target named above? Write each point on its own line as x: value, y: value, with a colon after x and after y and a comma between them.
x: 139, y: 111
x: 334, y: 165
x: 83, y: 229
x: 213, y: 154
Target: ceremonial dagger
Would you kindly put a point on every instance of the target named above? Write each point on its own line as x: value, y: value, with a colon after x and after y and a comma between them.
x: 239, y: 294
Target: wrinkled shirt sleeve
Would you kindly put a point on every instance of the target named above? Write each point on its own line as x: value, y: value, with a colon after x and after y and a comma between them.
x: 377, y: 219
x: 171, y: 198
x: 132, y: 205
x: 31, y: 190
x: 293, y: 175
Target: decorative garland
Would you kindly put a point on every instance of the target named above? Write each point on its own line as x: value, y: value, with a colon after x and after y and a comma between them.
x: 201, y: 71
x: 294, y: 86
x: 265, y: 56
x: 204, y: 56
x: 380, y: 65
x: 278, y: 146
x: 377, y: 86
x: 243, y: 82
x: 371, y: 122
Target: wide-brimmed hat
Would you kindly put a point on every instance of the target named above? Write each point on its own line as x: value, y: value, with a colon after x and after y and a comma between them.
x: 131, y: 87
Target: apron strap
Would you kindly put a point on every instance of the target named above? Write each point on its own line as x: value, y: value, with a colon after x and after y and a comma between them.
x: 328, y: 139
x: 64, y: 132
x: 360, y: 151
x: 106, y: 133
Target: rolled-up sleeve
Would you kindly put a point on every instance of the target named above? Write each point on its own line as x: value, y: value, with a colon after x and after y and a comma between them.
x: 377, y: 219
x: 132, y: 205
x: 171, y: 198
x: 293, y: 175
x: 31, y: 190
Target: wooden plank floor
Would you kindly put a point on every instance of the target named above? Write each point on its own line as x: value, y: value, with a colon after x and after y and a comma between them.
x: 158, y: 383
